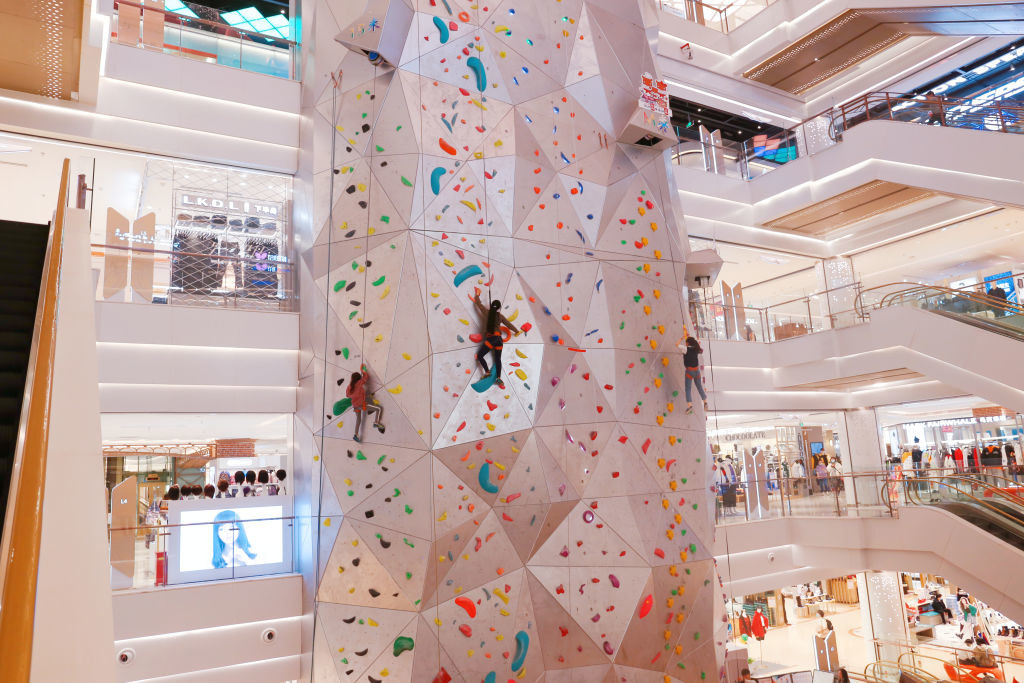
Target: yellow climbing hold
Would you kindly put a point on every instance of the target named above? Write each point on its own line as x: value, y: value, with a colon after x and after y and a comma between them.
x: 520, y: 374
x: 520, y: 354
x: 397, y: 389
x: 406, y: 356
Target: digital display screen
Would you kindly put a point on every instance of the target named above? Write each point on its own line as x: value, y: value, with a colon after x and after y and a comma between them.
x: 230, y: 537
x: 817, y: 447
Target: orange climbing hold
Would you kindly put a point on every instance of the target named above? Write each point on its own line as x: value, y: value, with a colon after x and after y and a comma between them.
x: 468, y: 605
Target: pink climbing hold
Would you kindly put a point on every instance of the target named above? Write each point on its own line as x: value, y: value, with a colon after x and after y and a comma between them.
x: 466, y: 630
x: 608, y: 649
x: 614, y: 579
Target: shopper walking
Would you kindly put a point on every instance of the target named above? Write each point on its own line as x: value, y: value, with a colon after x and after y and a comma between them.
x: 691, y: 360
x: 821, y: 472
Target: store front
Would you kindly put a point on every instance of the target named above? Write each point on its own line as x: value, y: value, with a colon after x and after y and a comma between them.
x: 954, y: 436
x: 197, y: 497
x: 764, y: 462
x: 166, y: 231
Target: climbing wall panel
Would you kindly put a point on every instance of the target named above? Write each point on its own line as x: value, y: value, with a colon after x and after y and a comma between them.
x: 551, y: 521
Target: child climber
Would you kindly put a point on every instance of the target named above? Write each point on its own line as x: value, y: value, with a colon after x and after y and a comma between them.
x: 493, y: 342
x: 363, y: 403
x: 691, y: 359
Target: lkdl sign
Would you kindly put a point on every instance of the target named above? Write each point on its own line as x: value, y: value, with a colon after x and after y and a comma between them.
x: 218, y: 203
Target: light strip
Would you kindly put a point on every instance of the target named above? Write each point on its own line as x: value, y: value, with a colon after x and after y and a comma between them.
x: 206, y: 98
x: 730, y: 100
x: 141, y: 155
x: 56, y: 108
x: 200, y: 347
x: 216, y: 629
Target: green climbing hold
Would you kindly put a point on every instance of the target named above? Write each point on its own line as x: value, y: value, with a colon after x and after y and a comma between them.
x: 406, y: 181
x: 379, y: 281
x: 403, y: 644
x: 339, y: 284
x: 345, y: 352
x: 341, y: 406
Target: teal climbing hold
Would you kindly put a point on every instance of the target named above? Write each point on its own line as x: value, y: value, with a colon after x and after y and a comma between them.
x: 490, y: 677
x: 442, y: 28
x: 484, y: 477
x: 435, y: 180
x: 466, y: 273
x: 477, y: 67
x: 482, y: 385
x: 522, y: 645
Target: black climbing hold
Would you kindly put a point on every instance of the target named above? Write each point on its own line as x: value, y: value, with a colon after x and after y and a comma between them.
x: 374, y: 593
x: 369, y: 514
x: 349, y: 620
x: 355, y: 562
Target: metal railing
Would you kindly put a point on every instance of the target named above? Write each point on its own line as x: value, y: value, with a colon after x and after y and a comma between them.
x: 860, y: 494
x: 19, y: 560
x: 760, y: 154
x: 723, y: 18
x: 825, y: 310
x: 945, y: 662
x: 186, y: 278
x: 205, y: 37
x: 967, y: 304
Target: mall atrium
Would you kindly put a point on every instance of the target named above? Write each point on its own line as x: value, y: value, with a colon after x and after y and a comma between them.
x: 759, y: 265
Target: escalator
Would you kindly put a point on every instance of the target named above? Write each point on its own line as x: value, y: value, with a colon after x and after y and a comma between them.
x: 990, y: 502
x: 983, y: 310
x: 19, y: 290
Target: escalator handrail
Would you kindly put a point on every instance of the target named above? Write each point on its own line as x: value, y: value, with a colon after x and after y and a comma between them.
x: 964, y: 674
x: 888, y: 299
x: 19, y: 555
x: 913, y: 495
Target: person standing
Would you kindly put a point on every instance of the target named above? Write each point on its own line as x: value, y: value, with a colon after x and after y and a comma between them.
x: 1011, y: 461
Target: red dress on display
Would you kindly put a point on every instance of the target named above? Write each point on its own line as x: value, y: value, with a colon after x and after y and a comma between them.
x: 958, y: 456
x: 759, y: 624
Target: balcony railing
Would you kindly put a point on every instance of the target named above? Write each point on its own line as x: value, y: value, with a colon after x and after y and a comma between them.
x: 826, y: 310
x: 761, y: 154
x: 723, y: 16
x: 205, y: 37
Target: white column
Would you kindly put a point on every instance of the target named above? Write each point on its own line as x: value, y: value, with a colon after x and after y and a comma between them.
x: 860, y: 441
x: 883, y: 614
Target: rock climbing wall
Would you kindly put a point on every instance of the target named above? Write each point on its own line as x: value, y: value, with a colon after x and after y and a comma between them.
x: 551, y: 523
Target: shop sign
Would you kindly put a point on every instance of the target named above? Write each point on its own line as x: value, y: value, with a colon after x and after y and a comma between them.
x: 997, y: 412
x: 741, y: 435
x: 194, y: 201
x: 654, y: 95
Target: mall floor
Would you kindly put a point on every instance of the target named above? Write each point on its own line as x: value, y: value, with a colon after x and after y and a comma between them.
x: 791, y: 648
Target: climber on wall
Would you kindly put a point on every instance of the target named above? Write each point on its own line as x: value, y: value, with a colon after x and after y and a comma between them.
x: 362, y: 402
x: 493, y: 341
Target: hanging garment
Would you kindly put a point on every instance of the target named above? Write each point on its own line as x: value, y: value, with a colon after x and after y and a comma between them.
x: 745, y: 625
x: 189, y: 269
x: 759, y: 624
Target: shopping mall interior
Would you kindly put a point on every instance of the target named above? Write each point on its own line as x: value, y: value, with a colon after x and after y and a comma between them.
x: 759, y: 266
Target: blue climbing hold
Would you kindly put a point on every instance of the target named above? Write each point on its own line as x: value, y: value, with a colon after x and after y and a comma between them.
x: 435, y: 179
x: 466, y: 273
x: 482, y: 385
x: 442, y: 28
x: 477, y: 67
x: 484, y: 477
x: 490, y: 678
x: 522, y: 645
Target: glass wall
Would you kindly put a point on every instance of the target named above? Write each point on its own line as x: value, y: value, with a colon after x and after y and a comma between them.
x: 166, y: 231
x: 195, y: 497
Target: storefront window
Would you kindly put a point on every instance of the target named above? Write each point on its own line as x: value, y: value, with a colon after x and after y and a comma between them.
x: 197, y: 497
x: 196, y: 235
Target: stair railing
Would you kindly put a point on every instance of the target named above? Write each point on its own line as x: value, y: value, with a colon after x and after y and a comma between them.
x: 19, y: 552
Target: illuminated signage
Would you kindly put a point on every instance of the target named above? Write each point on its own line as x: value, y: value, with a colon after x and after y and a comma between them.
x: 194, y: 201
